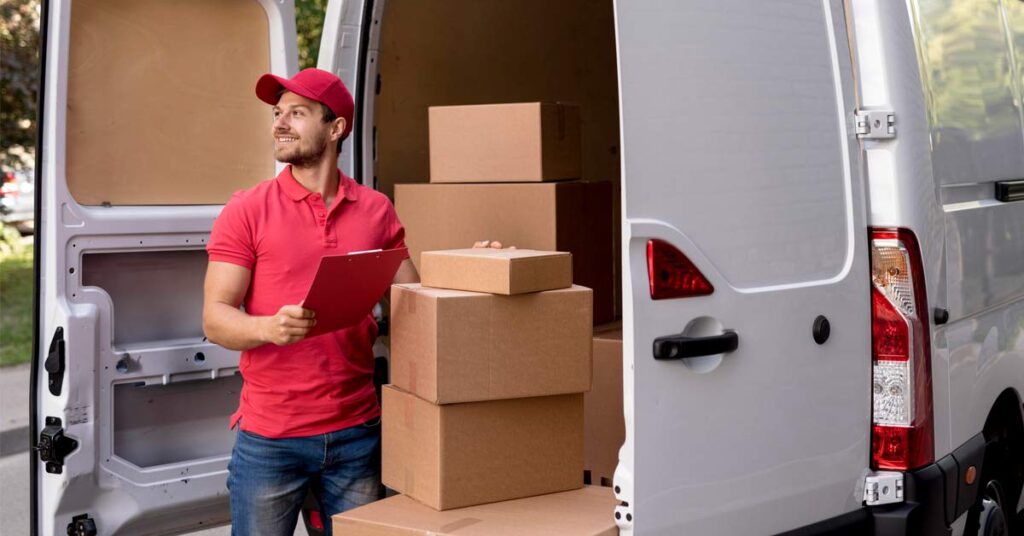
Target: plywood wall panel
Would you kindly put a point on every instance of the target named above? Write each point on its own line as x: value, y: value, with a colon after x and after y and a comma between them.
x: 489, y: 51
x: 161, y: 108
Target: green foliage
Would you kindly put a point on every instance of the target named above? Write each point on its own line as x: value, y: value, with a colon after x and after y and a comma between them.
x: 15, y: 299
x: 309, y: 22
x: 11, y: 244
x: 19, y: 80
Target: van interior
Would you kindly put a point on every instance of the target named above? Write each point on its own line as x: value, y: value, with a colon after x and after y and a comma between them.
x: 177, y: 124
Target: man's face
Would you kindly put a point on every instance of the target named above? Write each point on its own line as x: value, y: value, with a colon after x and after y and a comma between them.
x: 301, y: 137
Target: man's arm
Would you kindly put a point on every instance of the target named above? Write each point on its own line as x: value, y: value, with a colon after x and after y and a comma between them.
x: 228, y: 326
x: 406, y: 273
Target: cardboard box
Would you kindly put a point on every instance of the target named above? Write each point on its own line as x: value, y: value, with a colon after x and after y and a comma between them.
x: 583, y: 512
x: 575, y: 217
x: 466, y: 454
x: 604, y: 428
x: 522, y: 142
x: 450, y: 346
x: 497, y: 271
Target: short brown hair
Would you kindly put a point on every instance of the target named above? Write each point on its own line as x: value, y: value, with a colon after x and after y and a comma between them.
x: 329, y: 117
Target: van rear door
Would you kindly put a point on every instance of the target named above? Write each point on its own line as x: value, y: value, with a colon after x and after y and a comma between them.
x: 349, y: 47
x: 149, y: 123
x: 740, y: 157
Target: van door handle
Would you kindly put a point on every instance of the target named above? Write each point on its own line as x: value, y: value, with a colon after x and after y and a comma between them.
x: 680, y: 347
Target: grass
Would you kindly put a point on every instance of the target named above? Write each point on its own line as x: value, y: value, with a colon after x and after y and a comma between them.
x: 16, y: 306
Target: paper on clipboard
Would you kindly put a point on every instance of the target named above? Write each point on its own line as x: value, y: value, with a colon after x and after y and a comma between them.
x: 346, y: 287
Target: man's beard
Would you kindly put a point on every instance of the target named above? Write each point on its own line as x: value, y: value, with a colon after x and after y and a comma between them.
x: 304, y: 157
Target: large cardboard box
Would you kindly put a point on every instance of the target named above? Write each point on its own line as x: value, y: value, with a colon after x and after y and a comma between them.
x: 450, y: 346
x: 566, y: 216
x: 604, y: 428
x: 497, y: 271
x: 481, y: 452
x: 521, y: 142
x: 583, y: 512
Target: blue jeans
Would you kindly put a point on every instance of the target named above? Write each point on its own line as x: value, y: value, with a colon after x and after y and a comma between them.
x: 269, y: 478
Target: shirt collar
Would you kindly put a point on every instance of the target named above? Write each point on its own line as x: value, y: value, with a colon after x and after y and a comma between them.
x: 298, y: 192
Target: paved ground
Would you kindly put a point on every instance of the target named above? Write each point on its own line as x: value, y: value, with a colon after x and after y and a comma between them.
x: 14, y: 450
x: 14, y: 461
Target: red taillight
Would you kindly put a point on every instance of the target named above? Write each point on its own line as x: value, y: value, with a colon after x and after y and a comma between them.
x: 671, y: 274
x: 902, y: 431
x: 900, y: 448
x: 315, y: 520
x: 890, y: 332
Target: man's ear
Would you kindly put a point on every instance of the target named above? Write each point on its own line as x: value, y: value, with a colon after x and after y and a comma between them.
x: 338, y: 128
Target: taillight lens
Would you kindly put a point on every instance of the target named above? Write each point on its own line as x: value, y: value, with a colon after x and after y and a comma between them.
x: 902, y: 431
x: 671, y: 274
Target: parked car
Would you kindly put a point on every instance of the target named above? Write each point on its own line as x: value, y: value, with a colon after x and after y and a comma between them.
x: 822, y: 227
x: 17, y: 201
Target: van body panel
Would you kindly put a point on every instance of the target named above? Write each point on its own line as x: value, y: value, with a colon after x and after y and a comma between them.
x: 145, y: 396
x: 970, y: 242
x: 761, y: 187
x: 901, y: 186
x: 970, y: 64
x: 972, y: 85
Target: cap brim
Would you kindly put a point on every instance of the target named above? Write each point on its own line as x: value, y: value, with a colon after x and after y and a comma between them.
x: 269, y: 86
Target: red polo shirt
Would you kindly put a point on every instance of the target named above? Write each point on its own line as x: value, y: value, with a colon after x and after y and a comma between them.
x: 279, y: 231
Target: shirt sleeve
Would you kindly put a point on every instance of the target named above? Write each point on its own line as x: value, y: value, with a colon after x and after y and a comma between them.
x: 232, y: 239
x: 394, y: 232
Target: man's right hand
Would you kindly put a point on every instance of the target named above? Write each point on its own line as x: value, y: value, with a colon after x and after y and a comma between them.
x: 289, y: 325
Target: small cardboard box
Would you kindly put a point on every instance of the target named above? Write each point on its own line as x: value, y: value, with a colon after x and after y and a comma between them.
x: 575, y: 217
x: 522, y: 142
x: 465, y: 454
x: 604, y: 428
x: 497, y: 271
x: 451, y: 346
x: 582, y: 512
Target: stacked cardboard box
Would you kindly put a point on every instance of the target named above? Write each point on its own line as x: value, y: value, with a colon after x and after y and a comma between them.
x: 492, y: 169
x: 605, y: 428
x: 583, y: 512
x: 486, y: 403
x: 523, y: 142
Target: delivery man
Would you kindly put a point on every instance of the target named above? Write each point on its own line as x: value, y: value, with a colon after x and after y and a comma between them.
x: 308, y: 415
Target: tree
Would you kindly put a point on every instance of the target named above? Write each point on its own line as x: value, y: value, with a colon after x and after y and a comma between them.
x: 309, y: 23
x: 19, y: 81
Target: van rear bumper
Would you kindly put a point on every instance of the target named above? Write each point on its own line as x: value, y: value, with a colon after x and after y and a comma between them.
x: 936, y: 496
x: 922, y: 513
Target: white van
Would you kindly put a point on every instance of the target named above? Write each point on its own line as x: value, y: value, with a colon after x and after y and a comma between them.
x: 844, y: 175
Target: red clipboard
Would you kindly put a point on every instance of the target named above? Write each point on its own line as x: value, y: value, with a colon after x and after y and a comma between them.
x: 346, y: 287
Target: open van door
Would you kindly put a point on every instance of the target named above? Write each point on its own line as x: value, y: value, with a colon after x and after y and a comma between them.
x: 148, y: 124
x: 745, y: 241
x: 349, y: 47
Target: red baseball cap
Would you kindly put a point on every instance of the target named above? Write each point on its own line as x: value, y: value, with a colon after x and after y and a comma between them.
x: 314, y: 84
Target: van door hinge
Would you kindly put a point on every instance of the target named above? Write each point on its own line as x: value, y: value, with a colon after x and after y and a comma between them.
x: 82, y: 525
x: 54, y: 446
x: 875, y: 124
x: 883, y: 488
